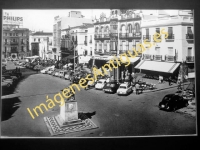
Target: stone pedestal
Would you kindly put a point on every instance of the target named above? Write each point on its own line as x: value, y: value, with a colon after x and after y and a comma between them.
x: 68, y: 114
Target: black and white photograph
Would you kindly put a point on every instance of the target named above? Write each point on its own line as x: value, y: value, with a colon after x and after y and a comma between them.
x: 69, y: 73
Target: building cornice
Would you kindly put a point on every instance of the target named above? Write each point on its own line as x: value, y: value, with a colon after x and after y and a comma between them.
x: 168, y: 24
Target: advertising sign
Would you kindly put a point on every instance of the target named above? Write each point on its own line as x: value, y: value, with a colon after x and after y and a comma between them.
x: 9, y: 19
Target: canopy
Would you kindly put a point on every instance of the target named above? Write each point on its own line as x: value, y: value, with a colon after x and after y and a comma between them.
x: 157, y: 66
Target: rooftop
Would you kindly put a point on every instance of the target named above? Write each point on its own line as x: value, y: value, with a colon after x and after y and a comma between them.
x: 42, y: 34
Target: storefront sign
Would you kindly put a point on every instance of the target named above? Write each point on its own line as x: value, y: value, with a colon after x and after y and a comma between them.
x: 9, y: 19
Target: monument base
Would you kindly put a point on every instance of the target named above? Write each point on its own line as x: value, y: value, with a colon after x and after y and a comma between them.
x: 61, y: 122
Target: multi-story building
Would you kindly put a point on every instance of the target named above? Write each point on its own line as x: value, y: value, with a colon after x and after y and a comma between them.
x: 15, y: 43
x: 78, y: 38
x: 115, y: 35
x: 164, y: 57
x: 41, y: 44
x: 72, y: 20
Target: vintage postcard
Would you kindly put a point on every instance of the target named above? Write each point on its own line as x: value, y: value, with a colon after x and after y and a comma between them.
x: 98, y: 73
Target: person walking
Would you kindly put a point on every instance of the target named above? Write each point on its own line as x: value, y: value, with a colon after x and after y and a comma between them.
x: 170, y: 80
x: 179, y: 84
x: 137, y: 86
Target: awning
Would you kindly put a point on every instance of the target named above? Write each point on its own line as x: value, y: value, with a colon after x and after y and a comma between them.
x: 157, y: 66
x: 191, y: 75
x: 132, y: 60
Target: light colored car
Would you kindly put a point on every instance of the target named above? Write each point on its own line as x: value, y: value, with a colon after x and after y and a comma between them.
x: 5, y: 85
x: 100, y: 84
x: 62, y: 73
x: 57, y: 73
x: 44, y: 70
x: 124, y: 89
x: 10, y: 81
x: 68, y: 75
x: 4, y: 62
x: 50, y: 71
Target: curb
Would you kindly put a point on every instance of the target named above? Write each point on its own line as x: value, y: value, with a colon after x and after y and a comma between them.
x: 162, y: 88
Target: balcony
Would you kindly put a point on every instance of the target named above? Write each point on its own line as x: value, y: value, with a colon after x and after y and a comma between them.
x: 121, y: 51
x: 54, y: 50
x: 189, y: 36
x: 122, y: 35
x: 22, y: 42
x: 190, y: 59
x: 6, y: 43
x: 146, y: 56
x: 14, y: 43
x: 169, y: 58
x: 147, y: 37
x: 113, y: 34
x: 101, y: 36
x: 85, y: 42
x: 158, y: 57
x: 130, y: 35
x: 170, y: 37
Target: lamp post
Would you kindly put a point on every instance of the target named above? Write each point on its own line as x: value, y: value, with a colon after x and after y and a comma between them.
x: 74, y: 50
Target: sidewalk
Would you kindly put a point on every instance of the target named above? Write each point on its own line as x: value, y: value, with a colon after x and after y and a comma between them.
x: 162, y: 86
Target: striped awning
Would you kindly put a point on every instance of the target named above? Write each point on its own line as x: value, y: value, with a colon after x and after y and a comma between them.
x: 157, y: 66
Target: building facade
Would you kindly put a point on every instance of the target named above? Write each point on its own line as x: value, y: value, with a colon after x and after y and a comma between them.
x: 115, y: 35
x: 74, y: 19
x: 15, y: 43
x: 41, y: 44
x: 80, y: 39
x: 170, y: 51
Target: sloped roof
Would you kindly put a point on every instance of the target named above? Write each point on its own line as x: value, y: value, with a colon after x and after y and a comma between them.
x: 43, y: 33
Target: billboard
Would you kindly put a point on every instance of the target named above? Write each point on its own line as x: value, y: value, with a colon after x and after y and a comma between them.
x: 9, y: 19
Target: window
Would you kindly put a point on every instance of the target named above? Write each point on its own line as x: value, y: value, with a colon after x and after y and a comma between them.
x: 39, y: 40
x: 10, y: 34
x: 157, y: 49
x: 129, y: 28
x: 170, y: 32
x: 158, y: 30
x: 137, y: 27
x: 147, y: 32
x: 123, y: 45
x: 22, y: 34
x: 170, y: 51
x: 34, y: 39
x: 16, y: 34
x: 189, y: 52
x: 22, y: 48
x: 189, y: 30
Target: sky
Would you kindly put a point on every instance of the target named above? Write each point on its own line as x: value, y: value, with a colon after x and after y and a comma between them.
x: 42, y: 20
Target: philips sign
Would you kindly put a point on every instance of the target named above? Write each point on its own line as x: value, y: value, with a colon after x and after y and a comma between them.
x: 8, y: 19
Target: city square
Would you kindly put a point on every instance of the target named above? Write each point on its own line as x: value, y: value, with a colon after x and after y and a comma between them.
x: 112, y: 76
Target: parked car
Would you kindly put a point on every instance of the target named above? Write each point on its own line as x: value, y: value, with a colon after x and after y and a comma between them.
x: 172, y: 102
x: 62, y: 73
x: 111, y: 87
x: 10, y: 81
x: 68, y: 75
x: 57, y: 73
x: 124, y: 89
x: 5, y: 85
x: 100, y: 84
x: 50, y: 71
x: 45, y: 70
x: 4, y: 62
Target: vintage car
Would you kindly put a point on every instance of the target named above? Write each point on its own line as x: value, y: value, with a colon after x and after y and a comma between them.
x: 124, y: 89
x: 10, y: 80
x: 111, y: 87
x: 50, y: 71
x: 172, y: 102
x: 62, y: 73
x: 100, y: 84
x: 68, y: 75
x: 44, y: 70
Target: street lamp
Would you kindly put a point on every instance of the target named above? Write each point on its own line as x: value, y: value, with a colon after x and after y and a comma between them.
x: 74, y: 50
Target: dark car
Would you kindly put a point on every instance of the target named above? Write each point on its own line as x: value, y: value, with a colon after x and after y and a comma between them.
x: 172, y: 102
x: 111, y: 87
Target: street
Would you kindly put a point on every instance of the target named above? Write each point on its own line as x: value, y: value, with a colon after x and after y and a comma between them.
x: 132, y: 115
